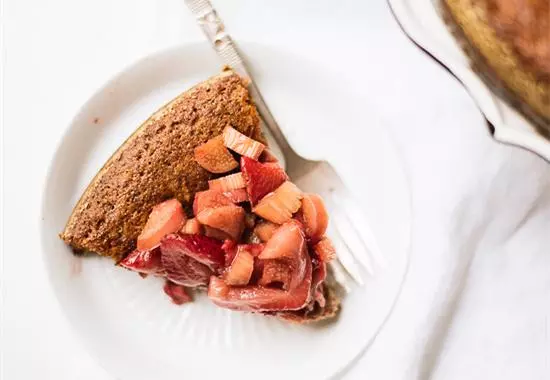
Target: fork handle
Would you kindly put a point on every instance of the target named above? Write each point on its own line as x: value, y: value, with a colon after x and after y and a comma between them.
x: 213, y: 28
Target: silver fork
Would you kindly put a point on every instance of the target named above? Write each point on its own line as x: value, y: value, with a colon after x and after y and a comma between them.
x: 356, y: 247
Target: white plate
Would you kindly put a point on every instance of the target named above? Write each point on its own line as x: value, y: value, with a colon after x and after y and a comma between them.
x: 128, y: 323
x: 423, y: 23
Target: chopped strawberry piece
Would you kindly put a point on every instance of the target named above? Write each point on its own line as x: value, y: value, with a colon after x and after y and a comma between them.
x: 192, y: 227
x: 166, y: 218
x: 227, y: 183
x: 314, y: 216
x: 215, y: 233
x: 242, y: 144
x: 229, y: 219
x: 190, y: 260
x: 241, y: 268
x: 278, y: 206
x: 209, y: 199
x: 261, y: 179
x: 177, y: 293
x: 287, y: 242
x: 237, y: 196
x: 265, y: 230
x: 325, y: 250
x: 214, y: 156
x: 144, y: 262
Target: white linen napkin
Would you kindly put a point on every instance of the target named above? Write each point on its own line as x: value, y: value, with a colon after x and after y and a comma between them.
x: 477, y: 298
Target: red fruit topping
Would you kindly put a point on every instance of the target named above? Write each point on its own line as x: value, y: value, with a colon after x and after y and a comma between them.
x: 192, y: 227
x: 278, y: 206
x: 314, y: 216
x: 237, y: 196
x: 214, y: 156
x: 262, y: 299
x: 144, y: 262
x: 166, y: 218
x: 265, y: 230
x: 227, y: 183
x: 204, y: 249
x: 229, y: 219
x: 177, y: 293
x: 325, y: 250
x: 261, y: 179
x: 242, y: 144
x: 276, y: 274
x: 241, y: 268
x: 288, y: 241
x: 230, y: 248
x: 209, y: 199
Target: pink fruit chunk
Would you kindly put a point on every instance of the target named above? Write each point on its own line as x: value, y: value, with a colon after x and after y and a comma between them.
x: 229, y: 219
x: 177, y: 293
x: 325, y: 250
x: 314, y: 216
x: 242, y: 144
x: 241, y: 268
x: 192, y: 227
x: 261, y: 179
x: 265, y: 230
x: 256, y: 298
x: 227, y: 183
x: 209, y: 199
x: 279, y: 206
x: 166, y: 218
x: 276, y: 273
x: 214, y: 156
x: 144, y: 262
x: 287, y: 241
x: 230, y: 248
x: 237, y: 196
x: 205, y: 250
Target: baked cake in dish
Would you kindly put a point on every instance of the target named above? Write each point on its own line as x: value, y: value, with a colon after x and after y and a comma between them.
x: 508, y: 42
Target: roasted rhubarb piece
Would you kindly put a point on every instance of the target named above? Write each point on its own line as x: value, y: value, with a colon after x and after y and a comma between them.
x: 227, y: 183
x: 242, y: 144
x: 147, y: 261
x: 192, y: 227
x: 314, y: 216
x: 264, y: 230
x: 279, y: 206
x: 261, y: 179
x: 240, y: 270
x: 325, y: 250
x: 237, y: 196
x: 228, y: 219
x: 166, y: 218
x: 209, y: 199
x: 214, y: 156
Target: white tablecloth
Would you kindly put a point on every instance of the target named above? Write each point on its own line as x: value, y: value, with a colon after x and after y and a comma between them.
x: 477, y: 298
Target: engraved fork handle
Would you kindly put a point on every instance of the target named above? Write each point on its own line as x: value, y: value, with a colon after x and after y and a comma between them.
x: 213, y: 28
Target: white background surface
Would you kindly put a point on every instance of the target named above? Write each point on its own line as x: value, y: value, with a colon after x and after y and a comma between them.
x: 476, y: 303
